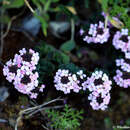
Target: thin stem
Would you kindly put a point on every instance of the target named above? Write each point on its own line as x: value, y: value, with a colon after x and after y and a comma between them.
x: 45, y: 127
x: 29, y: 6
x: 10, y: 23
x: 34, y: 110
x: 57, y: 99
x: 106, y: 21
x: 1, y: 39
x: 72, y: 29
x: 26, y: 111
x: 17, y: 121
x: 8, y: 28
x: 41, y: 109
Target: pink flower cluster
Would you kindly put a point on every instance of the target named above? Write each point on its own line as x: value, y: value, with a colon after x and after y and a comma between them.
x: 99, y: 86
x: 97, y: 33
x: 66, y: 81
x: 122, y: 78
x: 124, y: 64
x: 20, y: 71
x: 121, y: 41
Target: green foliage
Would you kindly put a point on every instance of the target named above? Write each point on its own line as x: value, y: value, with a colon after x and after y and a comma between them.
x: 128, y: 122
x: 68, y: 46
x: 45, y: 69
x: 108, y: 123
x: 52, y: 54
x: 43, y: 8
x: 71, y: 67
x: 43, y: 21
x: 117, y: 8
x: 69, y: 119
x: 13, y: 4
x: 50, y: 59
x: 68, y: 12
x: 86, y: 3
x: 105, y: 5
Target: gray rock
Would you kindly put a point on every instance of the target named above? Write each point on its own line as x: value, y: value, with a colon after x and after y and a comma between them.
x: 57, y: 28
x: 3, y: 94
x: 31, y: 24
x: 3, y: 121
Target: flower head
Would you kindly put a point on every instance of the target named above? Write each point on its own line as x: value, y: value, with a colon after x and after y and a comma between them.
x: 124, y: 64
x: 97, y: 33
x: 29, y: 58
x: 121, y: 40
x: 122, y: 78
x: 98, y: 81
x: 99, y: 101
x: 99, y: 85
x: 66, y: 81
x: 21, y: 71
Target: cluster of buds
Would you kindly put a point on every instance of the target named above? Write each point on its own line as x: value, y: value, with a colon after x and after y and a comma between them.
x: 21, y: 71
x: 99, y: 86
x: 66, y: 81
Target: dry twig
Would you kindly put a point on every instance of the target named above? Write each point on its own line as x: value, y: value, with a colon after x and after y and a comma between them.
x: 33, y: 110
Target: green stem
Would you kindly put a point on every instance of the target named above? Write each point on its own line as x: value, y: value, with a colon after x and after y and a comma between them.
x: 72, y: 29
x: 106, y: 21
x: 47, y: 5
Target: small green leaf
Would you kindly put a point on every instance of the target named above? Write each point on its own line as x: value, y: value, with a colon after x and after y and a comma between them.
x: 68, y: 46
x: 14, y: 4
x: 44, y: 23
x: 44, y: 29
